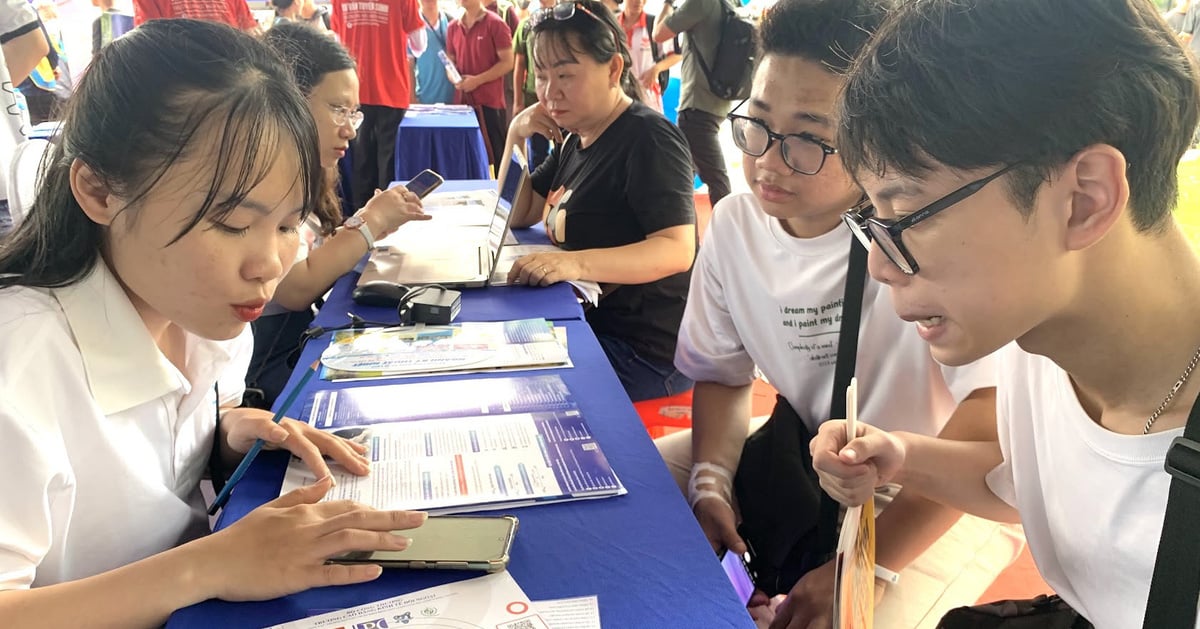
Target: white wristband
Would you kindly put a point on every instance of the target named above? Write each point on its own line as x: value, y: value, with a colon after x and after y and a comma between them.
x: 709, y: 480
x: 883, y: 574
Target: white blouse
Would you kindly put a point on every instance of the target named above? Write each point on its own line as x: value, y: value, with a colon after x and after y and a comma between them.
x: 102, y: 440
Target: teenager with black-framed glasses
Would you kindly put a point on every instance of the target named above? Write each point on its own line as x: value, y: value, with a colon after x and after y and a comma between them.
x: 769, y: 294
x: 1034, y: 186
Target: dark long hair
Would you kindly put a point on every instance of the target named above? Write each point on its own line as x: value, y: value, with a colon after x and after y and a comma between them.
x: 311, y: 54
x: 147, y: 101
x: 599, y: 37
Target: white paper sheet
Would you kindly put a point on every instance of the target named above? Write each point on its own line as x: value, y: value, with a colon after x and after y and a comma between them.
x: 570, y: 613
x: 494, y: 600
x: 587, y: 290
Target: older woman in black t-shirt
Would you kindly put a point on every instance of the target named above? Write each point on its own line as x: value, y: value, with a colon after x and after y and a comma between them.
x: 615, y: 196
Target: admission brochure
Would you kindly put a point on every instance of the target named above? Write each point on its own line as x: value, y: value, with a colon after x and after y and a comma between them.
x: 464, y: 348
x: 854, y: 572
x: 529, y: 445
x: 361, y: 406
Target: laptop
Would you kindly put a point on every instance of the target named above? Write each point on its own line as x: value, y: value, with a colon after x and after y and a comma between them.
x: 463, y: 257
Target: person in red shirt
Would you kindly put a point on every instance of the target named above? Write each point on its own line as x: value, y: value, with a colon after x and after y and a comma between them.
x: 378, y: 33
x: 480, y: 45
x: 507, y: 12
x: 232, y: 12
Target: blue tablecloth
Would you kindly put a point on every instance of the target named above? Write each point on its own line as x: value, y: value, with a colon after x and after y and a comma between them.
x: 499, y: 303
x: 447, y: 140
x: 642, y: 554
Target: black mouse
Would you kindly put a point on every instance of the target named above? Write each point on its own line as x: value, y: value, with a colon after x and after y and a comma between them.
x: 379, y: 293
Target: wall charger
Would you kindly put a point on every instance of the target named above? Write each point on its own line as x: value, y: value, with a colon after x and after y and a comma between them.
x: 433, y: 305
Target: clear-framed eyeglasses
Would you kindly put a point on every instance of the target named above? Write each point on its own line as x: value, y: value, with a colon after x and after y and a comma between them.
x: 344, y: 115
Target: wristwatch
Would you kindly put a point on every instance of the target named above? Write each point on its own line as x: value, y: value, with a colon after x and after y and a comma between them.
x: 357, y: 222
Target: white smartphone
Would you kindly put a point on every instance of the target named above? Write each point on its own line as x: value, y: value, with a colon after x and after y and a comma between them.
x: 448, y: 543
x: 425, y: 182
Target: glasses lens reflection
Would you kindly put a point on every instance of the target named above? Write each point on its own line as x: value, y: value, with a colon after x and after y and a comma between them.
x: 889, y: 247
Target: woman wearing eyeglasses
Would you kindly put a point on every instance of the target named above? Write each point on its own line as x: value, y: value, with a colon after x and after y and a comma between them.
x: 329, y: 247
x: 616, y: 196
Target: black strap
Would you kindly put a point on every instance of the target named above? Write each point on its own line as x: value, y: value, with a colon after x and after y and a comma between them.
x: 727, y: 13
x: 856, y: 279
x: 1175, y: 585
x: 441, y: 38
x: 216, y: 473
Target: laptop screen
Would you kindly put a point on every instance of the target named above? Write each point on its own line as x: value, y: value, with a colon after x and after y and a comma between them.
x: 508, y: 195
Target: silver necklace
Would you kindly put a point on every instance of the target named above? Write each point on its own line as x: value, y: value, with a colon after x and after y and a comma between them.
x: 1171, y: 394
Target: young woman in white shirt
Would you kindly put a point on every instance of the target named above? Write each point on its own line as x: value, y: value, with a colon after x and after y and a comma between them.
x: 167, y: 214
x: 329, y: 248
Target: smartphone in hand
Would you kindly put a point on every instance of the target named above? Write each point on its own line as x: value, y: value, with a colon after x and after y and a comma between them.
x: 448, y: 543
x: 737, y: 568
x: 425, y: 182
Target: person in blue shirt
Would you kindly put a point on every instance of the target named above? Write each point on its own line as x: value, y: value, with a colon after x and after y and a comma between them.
x: 433, y: 86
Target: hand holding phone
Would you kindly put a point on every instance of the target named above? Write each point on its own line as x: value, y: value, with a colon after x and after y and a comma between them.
x: 425, y: 182
x: 448, y: 543
x: 737, y: 568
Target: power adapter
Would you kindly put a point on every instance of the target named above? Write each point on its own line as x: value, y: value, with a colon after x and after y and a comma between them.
x: 434, y: 305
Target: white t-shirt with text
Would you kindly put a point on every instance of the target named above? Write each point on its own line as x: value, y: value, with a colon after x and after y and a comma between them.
x: 762, y: 298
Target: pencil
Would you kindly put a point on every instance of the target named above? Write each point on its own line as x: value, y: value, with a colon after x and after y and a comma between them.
x: 852, y: 410
x: 240, y: 471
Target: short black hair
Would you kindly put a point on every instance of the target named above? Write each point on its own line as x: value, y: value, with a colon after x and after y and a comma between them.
x: 310, y: 53
x: 829, y: 32
x: 593, y: 32
x: 970, y: 84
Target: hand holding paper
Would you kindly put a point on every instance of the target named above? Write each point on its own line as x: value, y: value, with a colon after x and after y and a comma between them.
x: 855, y: 580
x: 851, y: 469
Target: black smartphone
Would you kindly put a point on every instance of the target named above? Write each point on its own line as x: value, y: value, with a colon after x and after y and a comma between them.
x: 737, y: 568
x: 448, y: 543
x: 425, y: 182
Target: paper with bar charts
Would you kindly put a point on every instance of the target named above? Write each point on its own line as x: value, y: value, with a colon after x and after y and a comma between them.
x: 854, y: 574
x: 467, y: 347
x: 480, y: 463
x: 494, y: 601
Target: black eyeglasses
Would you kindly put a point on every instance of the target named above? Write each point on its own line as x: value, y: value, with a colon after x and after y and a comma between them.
x: 564, y: 11
x: 886, y: 232
x: 802, y: 152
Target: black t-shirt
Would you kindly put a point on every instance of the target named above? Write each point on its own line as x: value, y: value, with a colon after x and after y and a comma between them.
x: 634, y: 180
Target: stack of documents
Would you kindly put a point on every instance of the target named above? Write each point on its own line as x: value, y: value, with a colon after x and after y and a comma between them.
x: 493, y: 444
x: 463, y: 348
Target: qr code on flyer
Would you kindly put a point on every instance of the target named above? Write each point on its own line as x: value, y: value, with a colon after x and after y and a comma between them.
x: 529, y: 622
